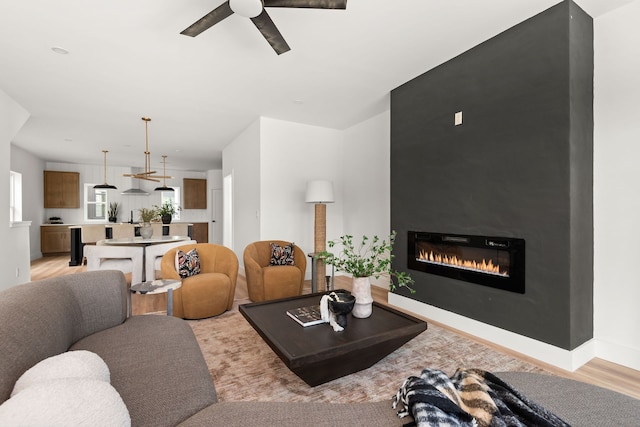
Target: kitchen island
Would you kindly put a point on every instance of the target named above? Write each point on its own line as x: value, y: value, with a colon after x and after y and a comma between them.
x: 76, y: 250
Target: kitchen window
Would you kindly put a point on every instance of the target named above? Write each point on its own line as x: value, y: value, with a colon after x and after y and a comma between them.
x: 96, y: 203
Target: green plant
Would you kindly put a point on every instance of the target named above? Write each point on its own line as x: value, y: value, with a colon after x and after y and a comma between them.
x: 148, y: 214
x: 113, y: 209
x: 372, y: 258
x: 167, y: 208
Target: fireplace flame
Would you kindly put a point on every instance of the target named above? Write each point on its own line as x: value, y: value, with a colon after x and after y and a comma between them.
x: 453, y: 261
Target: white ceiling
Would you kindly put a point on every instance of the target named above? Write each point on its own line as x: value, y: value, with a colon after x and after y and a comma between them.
x: 128, y: 59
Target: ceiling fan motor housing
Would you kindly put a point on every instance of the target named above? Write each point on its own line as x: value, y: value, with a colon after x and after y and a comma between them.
x: 246, y: 8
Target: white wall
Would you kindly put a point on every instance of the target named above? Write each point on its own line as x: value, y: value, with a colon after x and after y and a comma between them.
x: 367, y: 180
x: 291, y: 154
x: 269, y: 188
x: 616, y: 180
x: 31, y: 168
x: 271, y: 162
x: 241, y: 159
x: 14, y: 253
x: 356, y: 160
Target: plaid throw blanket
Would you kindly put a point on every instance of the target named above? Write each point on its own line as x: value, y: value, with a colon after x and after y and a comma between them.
x: 471, y: 397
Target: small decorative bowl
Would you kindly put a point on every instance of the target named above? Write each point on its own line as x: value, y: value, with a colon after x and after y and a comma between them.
x: 341, y: 304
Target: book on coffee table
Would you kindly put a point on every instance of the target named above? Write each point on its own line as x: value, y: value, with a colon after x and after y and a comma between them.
x: 306, y: 316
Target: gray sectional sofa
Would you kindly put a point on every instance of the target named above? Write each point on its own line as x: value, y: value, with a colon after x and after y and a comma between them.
x: 158, y: 371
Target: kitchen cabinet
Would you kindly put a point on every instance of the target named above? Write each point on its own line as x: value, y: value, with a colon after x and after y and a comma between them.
x: 61, y: 189
x: 194, y: 193
x: 55, y: 239
x: 200, y: 232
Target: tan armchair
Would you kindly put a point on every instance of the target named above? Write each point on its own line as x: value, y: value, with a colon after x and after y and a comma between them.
x: 209, y: 293
x: 265, y: 282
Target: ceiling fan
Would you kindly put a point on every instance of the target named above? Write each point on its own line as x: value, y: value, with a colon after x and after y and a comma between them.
x: 254, y: 9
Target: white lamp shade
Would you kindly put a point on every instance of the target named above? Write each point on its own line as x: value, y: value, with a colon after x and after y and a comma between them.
x: 319, y: 191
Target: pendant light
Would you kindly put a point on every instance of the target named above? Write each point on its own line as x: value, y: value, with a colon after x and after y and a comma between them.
x: 164, y: 176
x: 105, y: 185
x: 147, y: 174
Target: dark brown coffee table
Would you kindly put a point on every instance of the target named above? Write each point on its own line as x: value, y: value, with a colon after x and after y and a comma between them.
x: 316, y: 353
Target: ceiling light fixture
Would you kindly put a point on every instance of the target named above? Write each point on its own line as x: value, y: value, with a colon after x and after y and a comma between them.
x: 105, y: 185
x: 60, y: 50
x: 164, y: 173
x: 148, y: 174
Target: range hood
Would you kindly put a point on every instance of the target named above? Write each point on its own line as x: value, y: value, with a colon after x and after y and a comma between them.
x: 134, y: 192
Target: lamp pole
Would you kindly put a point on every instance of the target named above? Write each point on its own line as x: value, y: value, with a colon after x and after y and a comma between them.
x: 319, y: 192
x: 320, y: 240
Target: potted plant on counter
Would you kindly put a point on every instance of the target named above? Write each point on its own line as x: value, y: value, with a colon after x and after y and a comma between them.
x: 113, y: 211
x: 146, y: 216
x: 372, y: 258
x: 166, y: 211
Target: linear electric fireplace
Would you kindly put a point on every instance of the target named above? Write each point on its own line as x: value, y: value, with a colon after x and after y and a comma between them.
x: 497, y: 262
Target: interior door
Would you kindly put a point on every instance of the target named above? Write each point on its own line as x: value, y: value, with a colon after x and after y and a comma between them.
x: 215, y: 230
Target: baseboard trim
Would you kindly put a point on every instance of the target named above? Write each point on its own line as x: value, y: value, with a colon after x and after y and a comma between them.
x: 547, y: 353
x: 618, y: 354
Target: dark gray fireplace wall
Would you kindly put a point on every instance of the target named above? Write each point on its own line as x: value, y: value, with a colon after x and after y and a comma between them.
x: 520, y: 165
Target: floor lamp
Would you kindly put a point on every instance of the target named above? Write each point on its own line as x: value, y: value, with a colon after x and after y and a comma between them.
x: 319, y: 192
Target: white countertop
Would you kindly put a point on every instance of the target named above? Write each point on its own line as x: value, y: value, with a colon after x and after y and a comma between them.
x: 108, y: 224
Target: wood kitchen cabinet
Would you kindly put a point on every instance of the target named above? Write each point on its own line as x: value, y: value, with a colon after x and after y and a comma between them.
x: 195, y: 193
x: 61, y: 189
x: 55, y: 240
x: 200, y: 232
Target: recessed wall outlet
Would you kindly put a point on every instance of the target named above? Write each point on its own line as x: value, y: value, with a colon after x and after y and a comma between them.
x: 17, y: 271
x: 458, y: 118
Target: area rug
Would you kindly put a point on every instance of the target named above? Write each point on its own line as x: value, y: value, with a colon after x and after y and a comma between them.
x: 244, y: 368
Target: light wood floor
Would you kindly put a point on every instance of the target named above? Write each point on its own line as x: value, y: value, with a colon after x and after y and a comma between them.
x: 597, y: 371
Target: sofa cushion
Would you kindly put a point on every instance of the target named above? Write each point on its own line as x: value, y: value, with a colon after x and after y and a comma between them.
x: 157, y: 367
x: 577, y: 403
x: 290, y: 414
x: 66, y: 402
x: 72, y: 364
x: 281, y: 255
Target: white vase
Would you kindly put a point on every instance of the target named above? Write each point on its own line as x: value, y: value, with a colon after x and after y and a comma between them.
x: 146, y: 230
x: 361, y: 289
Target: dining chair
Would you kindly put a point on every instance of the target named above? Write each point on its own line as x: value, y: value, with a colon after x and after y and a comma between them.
x: 157, y: 229
x: 90, y: 234
x: 128, y: 259
x: 120, y: 231
x: 178, y: 229
x: 153, y: 255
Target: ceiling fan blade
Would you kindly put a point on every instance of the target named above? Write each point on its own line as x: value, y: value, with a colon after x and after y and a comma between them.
x: 270, y: 32
x: 313, y: 4
x: 209, y: 20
